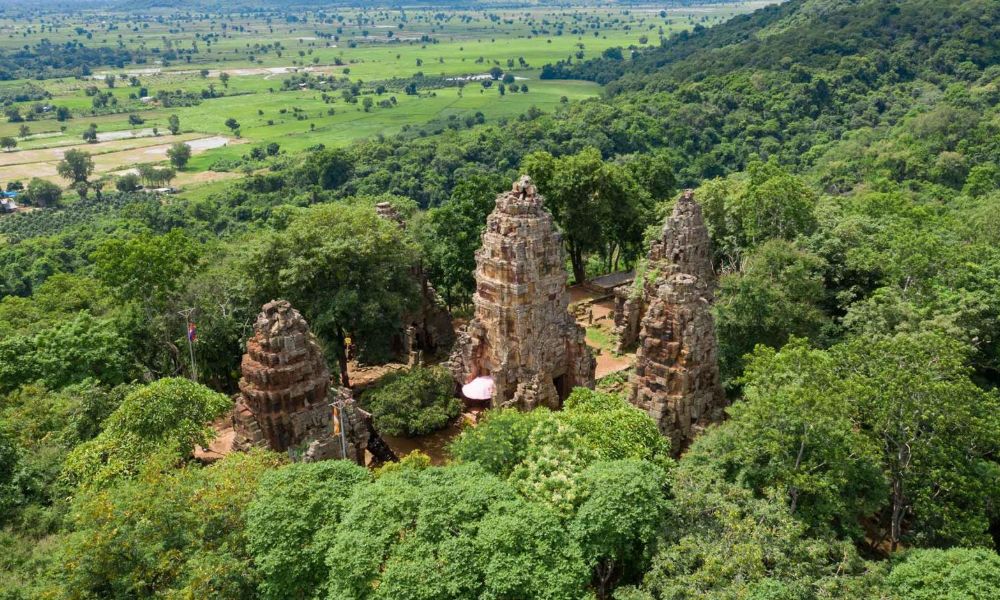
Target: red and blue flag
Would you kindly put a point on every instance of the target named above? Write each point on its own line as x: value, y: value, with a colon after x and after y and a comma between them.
x: 192, y: 332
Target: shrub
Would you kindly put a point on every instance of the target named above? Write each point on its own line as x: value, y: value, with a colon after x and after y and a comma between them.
x: 161, y: 421
x: 415, y: 402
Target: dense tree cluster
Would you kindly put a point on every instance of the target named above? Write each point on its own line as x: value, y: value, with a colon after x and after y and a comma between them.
x: 845, y: 155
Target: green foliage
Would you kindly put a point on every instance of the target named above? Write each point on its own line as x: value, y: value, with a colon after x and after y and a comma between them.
x: 725, y: 543
x: 292, y: 504
x: 346, y: 269
x: 179, y: 154
x: 828, y: 427
x: 76, y: 166
x: 945, y: 574
x: 177, y: 533
x: 620, y: 516
x: 451, y: 234
x: 49, y: 425
x: 794, y: 437
x: 416, y: 402
x: 66, y: 353
x: 500, y: 441
x: 614, y: 428
x: 744, y: 211
x: 778, y: 293
x: 161, y: 421
x: 146, y: 267
x: 128, y: 182
x: 592, y: 426
x: 598, y: 206
x: 454, y: 532
x: 9, y: 458
x: 937, y: 431
x: 42, y: 193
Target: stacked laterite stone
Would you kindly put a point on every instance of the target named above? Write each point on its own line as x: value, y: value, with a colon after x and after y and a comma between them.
x: 676, y: 377
x: 522, y: 334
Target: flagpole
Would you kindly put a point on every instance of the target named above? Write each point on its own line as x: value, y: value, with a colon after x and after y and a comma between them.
x: 186, y: 313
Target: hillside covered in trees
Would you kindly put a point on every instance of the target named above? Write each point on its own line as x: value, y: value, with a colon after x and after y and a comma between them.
x: 846, y: 154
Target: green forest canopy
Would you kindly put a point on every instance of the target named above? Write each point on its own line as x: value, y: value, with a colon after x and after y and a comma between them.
x: 845, y: 155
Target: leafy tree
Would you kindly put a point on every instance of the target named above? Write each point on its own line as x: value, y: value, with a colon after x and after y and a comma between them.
x: 154, y: 176
x: 146, y: 268
x: 499, y: 442
x: 453, y: 532
x: 232, y: 124
x: 346, y: 269
x: 794, y: 438
x: 159, y: 422
x: 777, y: 293
x: 224, y: 78
x: 936, y: 431
x: 743, y: 212
x: 613, y: 428
x: 43, y: 193
x: 621, y: 514
x: 292, y: 505
x: 173, y: 124
x: 49, y: 424
x: 179, y: 154
x: 328, y: 169
x: 8, y: 143
x: 416, y: 402
x: 76, y: 166
x: 9, y: 458
x: 599, y: 425
x: 654, y: 173
x: 128, y: 182
x: 725, y: 543
x: 597, y: 206
x: 452, y: 233
x: 945, y: 574
x: 66, y: 353
x: 175, y: 532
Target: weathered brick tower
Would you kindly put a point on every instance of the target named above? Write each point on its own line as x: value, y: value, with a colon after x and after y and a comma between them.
x: 286, y: 400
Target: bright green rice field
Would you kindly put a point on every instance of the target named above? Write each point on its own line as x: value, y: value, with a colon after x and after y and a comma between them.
x: 358, y: 46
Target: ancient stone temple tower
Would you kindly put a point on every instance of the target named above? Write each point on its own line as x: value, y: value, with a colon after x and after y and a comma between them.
x: 676, y: 377
x: 286, y: 400
x: 522, y: 334
x: 684, y: 246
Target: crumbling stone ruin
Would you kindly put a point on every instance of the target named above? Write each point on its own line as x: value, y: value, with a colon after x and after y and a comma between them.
x: 676, y: 378
x: 684, y: 244
x: 286, y: 400
x: 429, y: 329
x: 522, y: 334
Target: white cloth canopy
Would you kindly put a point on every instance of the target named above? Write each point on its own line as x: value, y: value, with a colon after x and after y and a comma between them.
x: 480, y: 388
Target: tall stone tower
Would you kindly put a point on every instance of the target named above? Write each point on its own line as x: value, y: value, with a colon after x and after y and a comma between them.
x: 676, y: 377
x: 522, y: 334
x: 286, y: 400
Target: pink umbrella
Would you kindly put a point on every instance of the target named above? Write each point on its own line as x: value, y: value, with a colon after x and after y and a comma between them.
x: 480, y: 388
